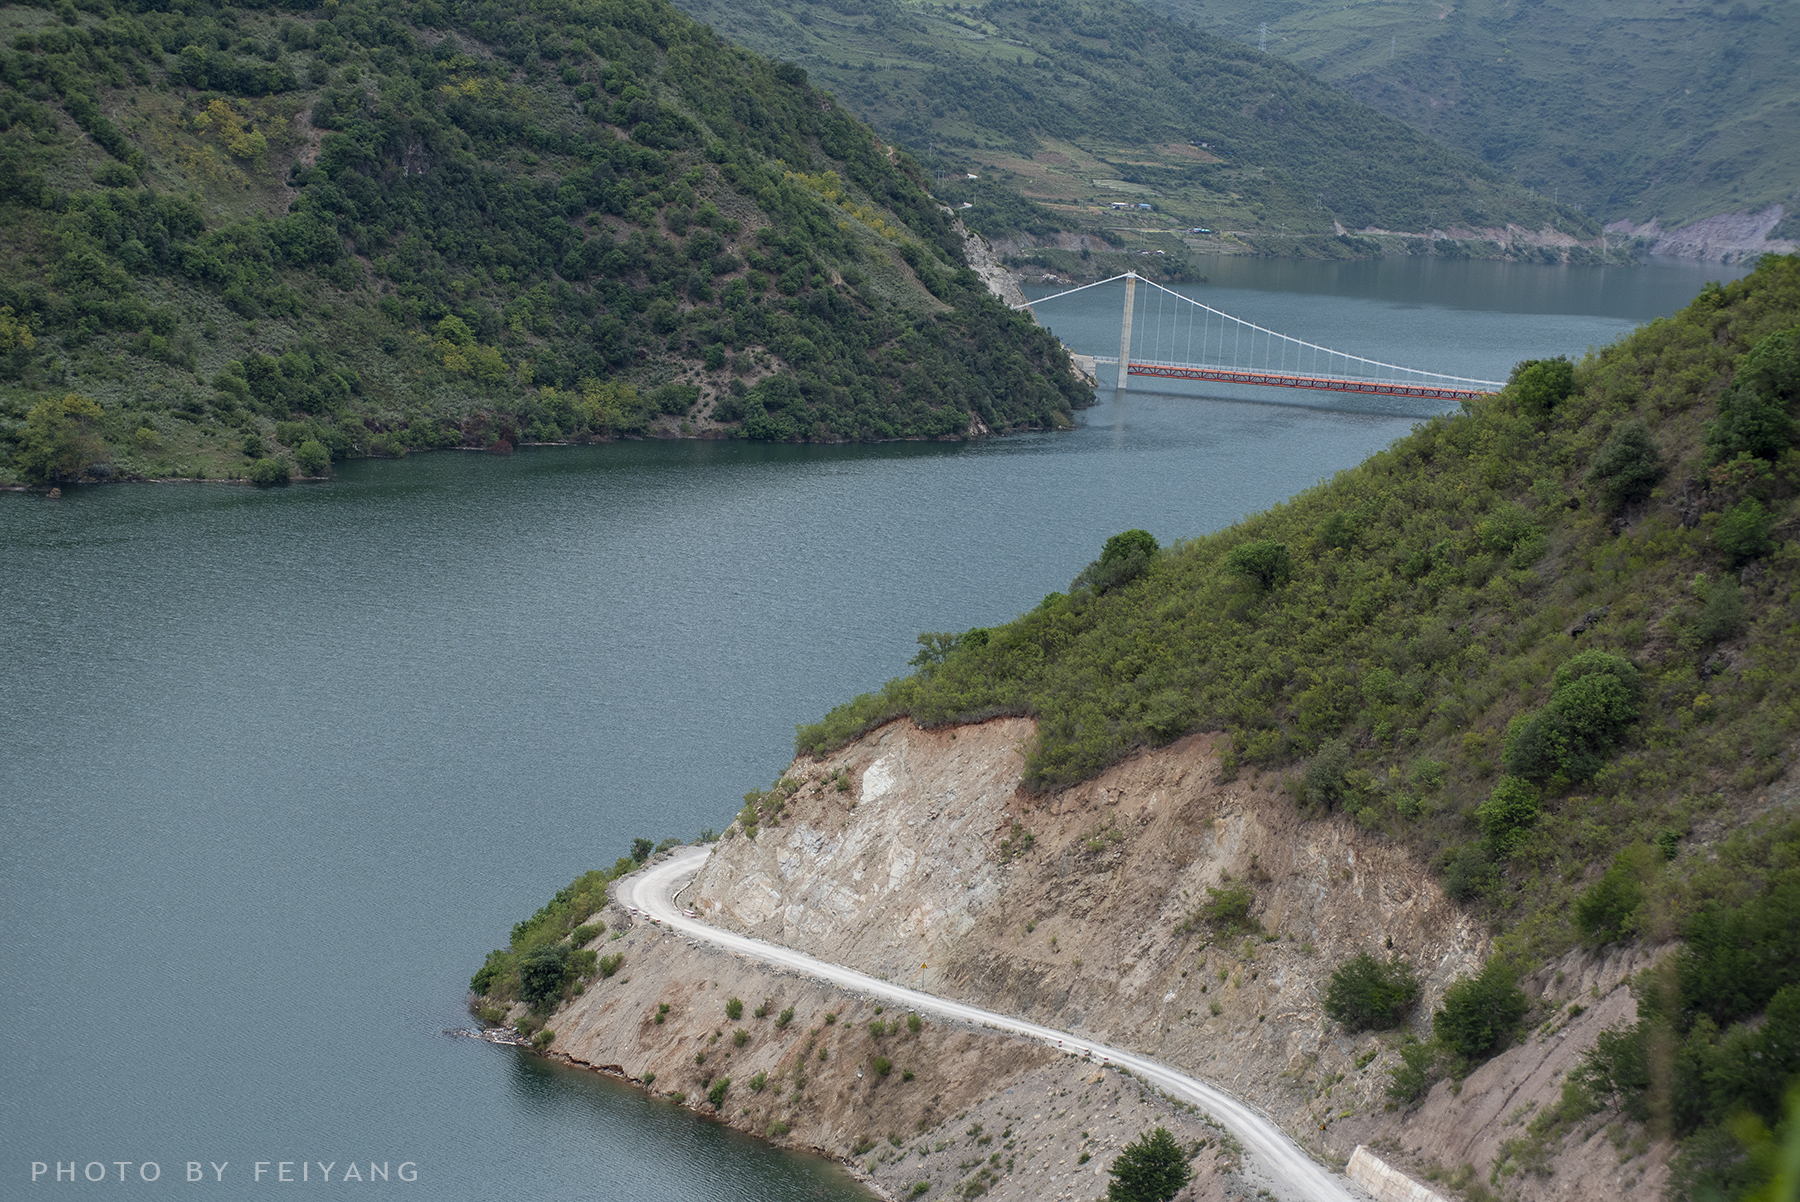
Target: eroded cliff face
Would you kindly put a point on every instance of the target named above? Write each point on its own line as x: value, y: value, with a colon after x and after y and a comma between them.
x: 932, y: 868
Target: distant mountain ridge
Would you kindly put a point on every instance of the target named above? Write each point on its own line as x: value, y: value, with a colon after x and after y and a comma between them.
x: 1086, y: 102
x: 1635, y: 110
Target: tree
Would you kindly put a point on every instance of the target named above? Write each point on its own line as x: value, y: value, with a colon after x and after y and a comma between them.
x: 542, y: 974
x: 1743, y: 533
x: 1265, y: 561
x: 59, y: 442
x: 1511, y: 808
x: 1368, y: 995
x: 1754, y: 413
x: 1152, y: 1168
x: 1626, y: 468
x: 269, y: 471
x: 312, y: 457
x: 641, y: 849
x: 1539, y: 385
x: 1480, y: 1012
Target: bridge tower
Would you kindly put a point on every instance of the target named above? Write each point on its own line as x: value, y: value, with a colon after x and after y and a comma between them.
x: 1131, y: 280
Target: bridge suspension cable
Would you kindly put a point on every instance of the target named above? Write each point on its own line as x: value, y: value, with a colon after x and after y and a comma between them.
x: 1233, y: 350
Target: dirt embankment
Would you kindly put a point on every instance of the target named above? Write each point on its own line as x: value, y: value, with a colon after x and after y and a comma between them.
x: 1078, y: 910
x: 1741, y: 237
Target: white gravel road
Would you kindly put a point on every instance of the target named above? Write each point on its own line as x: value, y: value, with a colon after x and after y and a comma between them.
x: 1287, y: 1168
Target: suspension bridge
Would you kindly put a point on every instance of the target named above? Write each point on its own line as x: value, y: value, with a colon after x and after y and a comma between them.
x: 1198, y: 342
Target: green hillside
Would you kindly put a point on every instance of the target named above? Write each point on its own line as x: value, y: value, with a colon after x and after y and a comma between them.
x: 1631, y: 109
x: 231, y: 233
x: 1548, y: 643
x: 1079, y: 103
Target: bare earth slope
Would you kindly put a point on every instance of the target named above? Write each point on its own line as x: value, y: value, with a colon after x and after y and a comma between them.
x: 934, y: 870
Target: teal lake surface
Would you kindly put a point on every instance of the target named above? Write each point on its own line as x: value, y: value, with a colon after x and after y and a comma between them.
x: 277, y: 768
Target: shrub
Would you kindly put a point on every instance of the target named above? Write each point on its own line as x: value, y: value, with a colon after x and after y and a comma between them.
x: 734, y: 1009
x: 543, y: 1039
x: 785, y: 1017
x: 882, y: 1066
x: 1743, y: 533
x: 914, y: 1023
x: 1539, y: 385
x: 1754, y: 412
x: 716, y: 1095
x: 1606, y: 912
x: 1368, y: 995
x: 1265, y: 561
x: 610, y: 964
x: 1151, y: 1168
x: 1324, y: 781
x: 1509, y: 810
x: 878, y: 1027
x: 583, y: 935
x: 641, y: 849
x: 1595, y: 698
x: 1627, y: 467
x: 1480, y: 1012
x: 1724, y: 614
x: 312, y: 458
x: 1470, y: 873
x: 542, y: 974
x: 59, y: 441
x: 740, y: 1037
x: 758, y: 1081
x: 270, y: 471
x: 1123, y: 559
x: 1227, y: 910
x: 1418, y: 1070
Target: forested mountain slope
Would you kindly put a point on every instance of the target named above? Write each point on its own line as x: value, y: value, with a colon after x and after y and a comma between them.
x: 227, y: 230
x: 1633, y: 109
x: 1547, y: 643
x: 1089, y: 101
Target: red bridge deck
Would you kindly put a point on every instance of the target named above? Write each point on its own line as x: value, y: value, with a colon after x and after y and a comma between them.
x: 1230, y: 375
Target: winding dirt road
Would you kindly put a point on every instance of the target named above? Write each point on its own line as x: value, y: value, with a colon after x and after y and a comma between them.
x: 1290, y: 1170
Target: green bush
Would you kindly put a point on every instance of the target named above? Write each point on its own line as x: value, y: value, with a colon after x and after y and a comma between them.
x: 1265, y: 561
x: 882, y: 1066
x: 1324, y: 782
x: 716, y: 1095
x: 542, y: 975
x: 312, y: 458
x: 1606, y: 911
x: 1227, y: 910
x: 270, y: 471
x: 1480, y: 1013
x: 734, y: 1009
x: 1724, y: 615
x: 1539, y: 385
x: 1470, y: 872
x: 914, y: 1023
x: 758, y: 1081
x: 1366, y: 994
x: 1595, y: 698
x: 543, y: 1039
x: 1420, y: 1067
x: 1509, y: 812
x: 1627, y: 467
x: 610, y: 964
x: 785, y: 1017
x: 1743, y: 532
x: 1755, y: 412
x: 1151, y: 1168
x: 585, y: 934
x: 740, y: 1037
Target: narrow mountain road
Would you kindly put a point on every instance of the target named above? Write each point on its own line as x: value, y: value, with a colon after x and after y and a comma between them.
x: 1294, y: 1173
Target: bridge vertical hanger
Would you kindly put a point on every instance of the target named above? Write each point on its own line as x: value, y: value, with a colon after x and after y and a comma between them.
x: 1125, y: 329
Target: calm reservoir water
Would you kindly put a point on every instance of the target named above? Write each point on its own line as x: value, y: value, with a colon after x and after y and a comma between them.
x: 277, y: 768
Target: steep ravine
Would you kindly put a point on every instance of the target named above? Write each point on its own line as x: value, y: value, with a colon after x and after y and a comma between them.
x: 931, y: 868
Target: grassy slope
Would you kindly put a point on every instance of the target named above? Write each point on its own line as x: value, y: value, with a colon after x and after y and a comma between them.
x: 1059, y: 94
x: 1632, y: 109
x: 1409, y: 636
x: 602, y: 194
